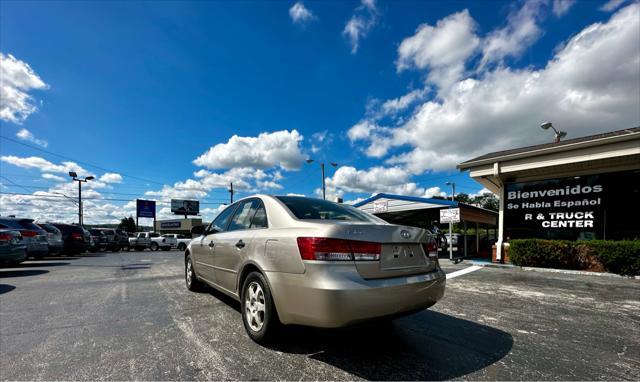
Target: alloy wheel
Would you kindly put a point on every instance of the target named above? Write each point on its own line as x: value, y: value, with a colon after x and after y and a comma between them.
x: 254, y: 306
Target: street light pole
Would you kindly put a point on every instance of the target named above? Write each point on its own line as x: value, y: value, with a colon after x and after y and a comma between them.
x: 75, y: 178
x: 324, y: 190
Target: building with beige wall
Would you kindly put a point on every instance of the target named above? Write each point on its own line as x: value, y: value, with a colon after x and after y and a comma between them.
x: 581, y: 188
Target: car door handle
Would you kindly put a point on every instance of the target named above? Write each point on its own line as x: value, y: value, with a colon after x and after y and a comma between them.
x: 211, y: 244
x: 240, y: 244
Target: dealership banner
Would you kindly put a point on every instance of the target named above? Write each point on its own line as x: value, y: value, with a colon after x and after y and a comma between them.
x: 571, y: 208
x: 602, y: 206
x: 145, y: 208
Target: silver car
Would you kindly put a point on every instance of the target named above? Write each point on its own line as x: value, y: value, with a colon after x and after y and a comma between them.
x: 296, y: 260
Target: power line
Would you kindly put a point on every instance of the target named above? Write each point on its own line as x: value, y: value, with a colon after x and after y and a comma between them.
x: 89, y: 198
x: 26, y: 188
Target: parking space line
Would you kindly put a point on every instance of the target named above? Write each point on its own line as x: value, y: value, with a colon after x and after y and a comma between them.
x: 464, y: 271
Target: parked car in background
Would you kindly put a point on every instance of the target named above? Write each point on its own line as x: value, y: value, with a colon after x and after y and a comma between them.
x: 181, y: 240
x: 296, y: 260
x: 13, y: 250
x: 99, y: 240
x: 76, y: 239
x: 123, y: 239
x: 54, y: 238
x: 140, y: 241
x: 114, y: 242
x: 34, y: 237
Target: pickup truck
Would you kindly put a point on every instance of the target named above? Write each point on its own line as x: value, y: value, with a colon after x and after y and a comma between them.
x: 140, y: 241
x: 182, y: 240
x: 153, y: 241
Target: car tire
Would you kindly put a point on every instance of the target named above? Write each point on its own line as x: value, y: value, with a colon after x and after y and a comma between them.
x: 259, y: 314
x: 190, y: 278
x: 182, y: 247
x: 154, y: 246
x: 116, y: 249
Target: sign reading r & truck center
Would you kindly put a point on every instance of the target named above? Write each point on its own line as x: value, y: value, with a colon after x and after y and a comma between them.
x: 536, y: 209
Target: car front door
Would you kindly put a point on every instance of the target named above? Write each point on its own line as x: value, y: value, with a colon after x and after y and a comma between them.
x: 233, y: 244
x: 205, y: 247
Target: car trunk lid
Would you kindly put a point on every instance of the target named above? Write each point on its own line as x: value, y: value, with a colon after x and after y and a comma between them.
x: 402, y: 249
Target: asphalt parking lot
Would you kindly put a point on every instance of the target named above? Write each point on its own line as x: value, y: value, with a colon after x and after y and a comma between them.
x: 128, y: 315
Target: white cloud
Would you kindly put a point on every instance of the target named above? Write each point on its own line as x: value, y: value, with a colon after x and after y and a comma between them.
x: 521, y: 32
x: 561, y: 7
x: 589, y: 86
x: 56, y: 178
x: 17, y: 79
x: 26, y: 135
x: 395, y: 105
x: 443, y: 48
x: 300, y: 14
x: 612, y: 5
x: 280, y: 148
x: 44, y: 165
x: 364, y: 18
x: 111, y: 177
x: 374, y: 180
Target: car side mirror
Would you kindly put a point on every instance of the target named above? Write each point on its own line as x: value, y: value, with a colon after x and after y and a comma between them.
x: 198, y: 230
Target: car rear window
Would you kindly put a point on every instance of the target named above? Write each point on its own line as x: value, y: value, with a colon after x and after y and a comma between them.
x: 28, y: 224
x: 318, y: 209
x: 10, y: 223
x: 49, y: 228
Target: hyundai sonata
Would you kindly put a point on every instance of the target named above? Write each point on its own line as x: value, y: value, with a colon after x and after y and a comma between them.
x: 296, y: 260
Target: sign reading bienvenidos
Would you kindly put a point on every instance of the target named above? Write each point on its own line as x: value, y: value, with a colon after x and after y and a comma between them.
x: 574, y: 206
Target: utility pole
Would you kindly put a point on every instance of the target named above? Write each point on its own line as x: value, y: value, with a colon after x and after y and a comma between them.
x: 333, y: 164
x: 75, y: 178
x: 231, y: 192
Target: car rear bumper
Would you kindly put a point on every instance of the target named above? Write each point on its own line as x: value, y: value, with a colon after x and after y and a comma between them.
x: 13, y: 254
x: 335, y: 295
x: 38, y: 249
x: 55, y: 247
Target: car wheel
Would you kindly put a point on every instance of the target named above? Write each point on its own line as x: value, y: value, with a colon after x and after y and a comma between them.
x: 116, y: 249
x: 182, y: 246
x: 154, y: 246
x: 258, y: 311
x: 193, y: 284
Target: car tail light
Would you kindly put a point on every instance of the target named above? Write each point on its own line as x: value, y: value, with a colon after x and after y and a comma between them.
x: 430, y: 247
x: 366, y: 251
x: 321, y: 248
x: 29, y: 233
x: 5, y: 237
x: 431, y: 250
x: 77, y: 236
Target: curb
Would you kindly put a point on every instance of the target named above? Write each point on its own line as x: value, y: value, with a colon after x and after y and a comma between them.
x: 554, y: 270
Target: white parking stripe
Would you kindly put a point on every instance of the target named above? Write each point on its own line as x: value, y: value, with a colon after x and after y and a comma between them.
x: 461, y: 272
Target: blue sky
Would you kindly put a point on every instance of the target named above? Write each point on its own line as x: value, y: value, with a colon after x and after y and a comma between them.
x: 396, y: 93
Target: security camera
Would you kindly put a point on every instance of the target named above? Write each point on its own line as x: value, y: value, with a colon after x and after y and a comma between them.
x: 546, y: 125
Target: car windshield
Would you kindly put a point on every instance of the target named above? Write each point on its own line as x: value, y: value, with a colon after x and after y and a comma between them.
x: 318, y: 209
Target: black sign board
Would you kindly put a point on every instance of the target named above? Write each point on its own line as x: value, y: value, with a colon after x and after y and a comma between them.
x: 575, y: 208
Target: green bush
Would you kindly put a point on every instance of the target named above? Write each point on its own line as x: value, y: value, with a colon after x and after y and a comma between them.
x: 542, y: 253
x: 621, y: 257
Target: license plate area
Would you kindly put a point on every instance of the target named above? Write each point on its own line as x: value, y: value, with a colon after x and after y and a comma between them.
x: 400, y: 256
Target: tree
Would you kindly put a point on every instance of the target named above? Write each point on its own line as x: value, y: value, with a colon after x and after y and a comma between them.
x: 487, y: 200
x: 127, y: 224
x: 463, y: 198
